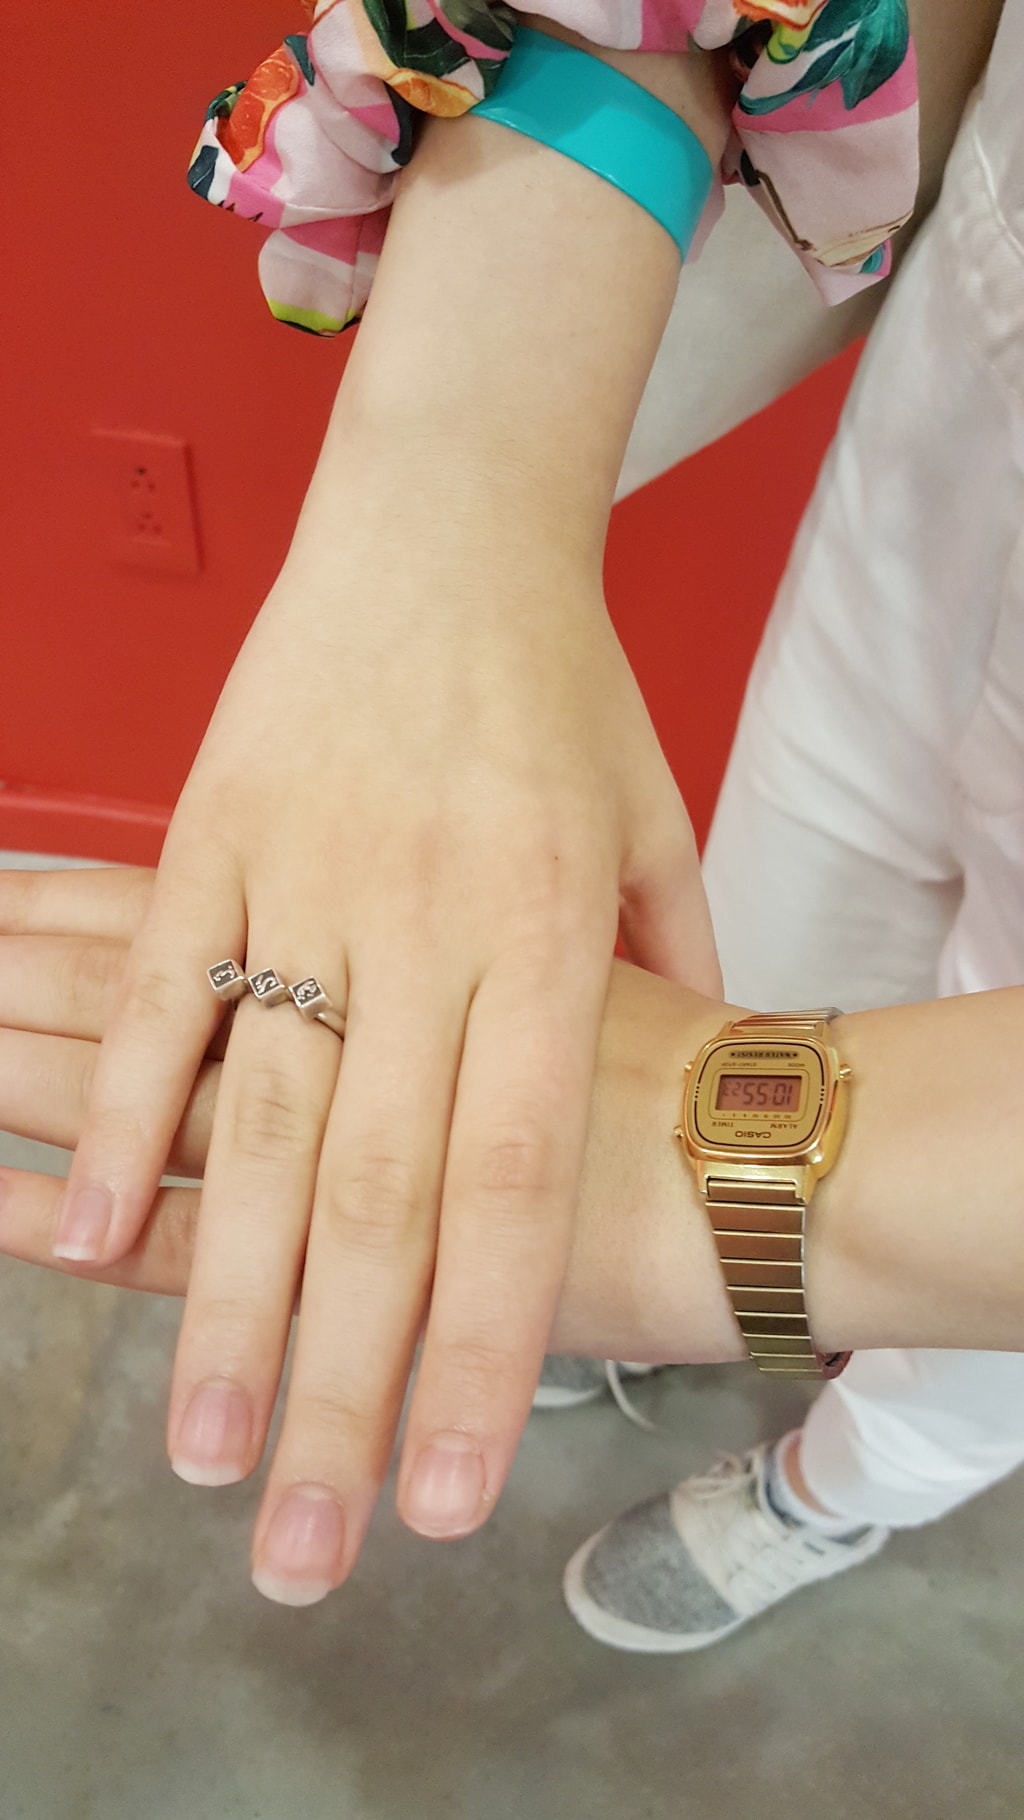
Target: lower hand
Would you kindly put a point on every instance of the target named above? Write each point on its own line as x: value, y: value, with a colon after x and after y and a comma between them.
x: 634, y: 1285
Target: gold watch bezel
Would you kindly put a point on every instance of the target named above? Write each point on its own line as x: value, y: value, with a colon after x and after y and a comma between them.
x: 816, y: 1151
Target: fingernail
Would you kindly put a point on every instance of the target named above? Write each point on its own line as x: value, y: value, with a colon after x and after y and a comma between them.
x: 215, y: 1436
x: 301, y: 1552
x: 83, y: 1224
x: 447, y: 1484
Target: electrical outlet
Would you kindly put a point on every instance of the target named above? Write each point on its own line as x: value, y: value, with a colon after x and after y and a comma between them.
x: 151, y: 509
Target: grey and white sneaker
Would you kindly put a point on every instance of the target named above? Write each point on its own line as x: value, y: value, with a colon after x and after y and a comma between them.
x: 691, y: 1566
x: 567, y: 1382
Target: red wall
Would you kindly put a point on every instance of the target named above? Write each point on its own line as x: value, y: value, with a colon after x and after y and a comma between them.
x: 130, y: 305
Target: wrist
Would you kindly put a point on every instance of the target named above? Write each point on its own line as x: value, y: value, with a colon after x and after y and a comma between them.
x: 453, y: 526
x: 644, y: 1281
x: 516, y: 312
x: 420, y: 481
x: 894, y: 1259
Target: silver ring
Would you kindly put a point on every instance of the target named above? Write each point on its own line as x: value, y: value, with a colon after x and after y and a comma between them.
x: 230, y: 982
x: 313, y: 1003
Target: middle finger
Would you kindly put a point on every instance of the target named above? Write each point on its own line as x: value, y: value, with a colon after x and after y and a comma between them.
x: 368, y: 1270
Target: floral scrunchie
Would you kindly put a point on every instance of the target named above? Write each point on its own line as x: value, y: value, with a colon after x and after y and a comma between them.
x: 824, y: 129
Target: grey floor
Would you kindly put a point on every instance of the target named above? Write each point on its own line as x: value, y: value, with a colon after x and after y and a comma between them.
x: 142, y: 1678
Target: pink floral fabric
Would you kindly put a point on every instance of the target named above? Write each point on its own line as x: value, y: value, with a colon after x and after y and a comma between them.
x: 824, y: 130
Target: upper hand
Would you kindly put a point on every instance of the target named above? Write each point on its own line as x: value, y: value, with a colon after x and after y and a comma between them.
x: 433, y: 793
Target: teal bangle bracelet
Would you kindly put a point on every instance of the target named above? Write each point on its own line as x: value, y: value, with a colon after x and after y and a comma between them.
x: 563, y: 97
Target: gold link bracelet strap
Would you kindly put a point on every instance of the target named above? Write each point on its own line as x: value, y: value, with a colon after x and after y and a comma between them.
x: 759, y: 1230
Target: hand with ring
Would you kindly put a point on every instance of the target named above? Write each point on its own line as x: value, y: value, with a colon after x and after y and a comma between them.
x: 896, y: 1258
x: 430, y: 791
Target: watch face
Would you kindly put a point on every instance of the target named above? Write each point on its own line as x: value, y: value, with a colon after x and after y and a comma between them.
x: 759, y: 1094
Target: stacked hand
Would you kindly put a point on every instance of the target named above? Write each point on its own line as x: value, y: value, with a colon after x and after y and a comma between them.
x: 65, y: 952
x: 433, y: 821
x: 896, y: 1260
x: 431, y: 784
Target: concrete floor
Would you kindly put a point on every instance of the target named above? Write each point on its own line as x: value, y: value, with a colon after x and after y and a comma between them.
x: 142, y: 1678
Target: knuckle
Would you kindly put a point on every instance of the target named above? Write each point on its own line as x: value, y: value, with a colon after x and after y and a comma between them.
x: 226, y: 1318
x: 92, y: 970
x: 330, y: 1414
x: 153, y: 999
x: 137, y: 886
x: 514, y: 1166
x: 547, y: 890
x: 19, y: 892
x: 80, y: 1083
x: 560, y: 914
x: 270, y: 1123
x: 374, y: 1205
x: 475, y: 1368
x: 115, y: 1131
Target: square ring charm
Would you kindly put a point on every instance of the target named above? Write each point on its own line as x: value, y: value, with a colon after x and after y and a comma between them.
x: 314, y: 1004
x: 228, y: 981
x: 268, y: 988
x: 309, y: 996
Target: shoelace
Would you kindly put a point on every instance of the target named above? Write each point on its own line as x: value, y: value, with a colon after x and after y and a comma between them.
x: 755, y: 1553
x: 722, y: 1476
x: 631, y: 1413
x: 729, y: 1473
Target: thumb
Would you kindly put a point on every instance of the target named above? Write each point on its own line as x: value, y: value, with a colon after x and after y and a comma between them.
x: 664, y: 917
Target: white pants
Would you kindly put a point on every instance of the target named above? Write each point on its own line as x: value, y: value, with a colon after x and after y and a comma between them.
x: 869, y: 842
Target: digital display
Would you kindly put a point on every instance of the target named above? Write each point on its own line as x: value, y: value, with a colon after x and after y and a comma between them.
x: 758, y: 1092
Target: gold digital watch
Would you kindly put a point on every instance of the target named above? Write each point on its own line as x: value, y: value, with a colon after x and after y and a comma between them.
x: 763, y: 1119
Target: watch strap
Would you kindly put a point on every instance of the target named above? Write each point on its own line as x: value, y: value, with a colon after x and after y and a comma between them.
x: 800, y: 1023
